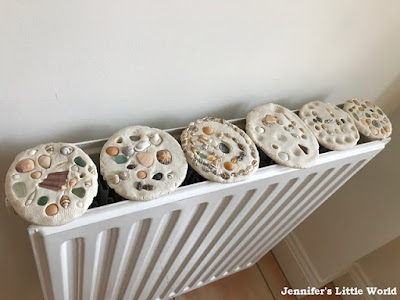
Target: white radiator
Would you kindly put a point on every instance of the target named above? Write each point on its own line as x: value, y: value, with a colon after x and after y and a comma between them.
x: 198, y: 234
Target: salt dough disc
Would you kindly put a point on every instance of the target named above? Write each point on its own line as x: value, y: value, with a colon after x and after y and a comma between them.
x: 142, y: 163
x: 332, y: 126
x: 219, y: 151
x: 370, y: 120
x: 51, y: 184
x: 282, y: 135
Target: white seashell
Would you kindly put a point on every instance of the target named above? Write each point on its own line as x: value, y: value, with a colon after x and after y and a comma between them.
x: 142, y: 146
x: 66, y: 150
x: 156, y: 139
x: 75, y: 168
x: 114, y: 179
x: 49, y: 149
x: 16, y: 176
x: 32, y: 152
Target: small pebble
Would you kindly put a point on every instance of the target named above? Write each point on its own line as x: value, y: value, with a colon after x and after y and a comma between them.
x: 270, y: 119
x: 19, y: 189
x: 376, y: 123
x: 141, y: 174
x: 74, y: 168
x: 112, y: 151
x: 79, y: 192
x: 79, y: 161
x: 224, y: 148
x: 42, y: 201
x: 120, y: 159
x: 128, y: 150
x: 260, y: 129
x: 229, y: 166
x: 25, y: 165
x: 79, y: 204
x: 158, y: 176
x: 386, y: 128
x: 16, y: 176
x: 208, y: 130
x: 52, y: 209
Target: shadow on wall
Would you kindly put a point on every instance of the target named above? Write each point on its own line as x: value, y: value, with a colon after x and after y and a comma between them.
x: 389, y: 99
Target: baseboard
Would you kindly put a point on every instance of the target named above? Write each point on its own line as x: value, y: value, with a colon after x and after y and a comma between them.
x: 356, y: 277
x: 295, y: 263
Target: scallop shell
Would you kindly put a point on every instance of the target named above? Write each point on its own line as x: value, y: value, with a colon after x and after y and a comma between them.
x: 145, y: 158
x: 164, y: 157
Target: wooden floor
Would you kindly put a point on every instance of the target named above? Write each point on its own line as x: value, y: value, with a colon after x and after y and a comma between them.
x: 264, y: 280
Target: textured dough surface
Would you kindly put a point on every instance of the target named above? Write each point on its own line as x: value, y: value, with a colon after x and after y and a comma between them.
x: 282, y: 135
x: 219, y: 151
x: 332, y: 126
x: 369, y: 118
x: 156, y: 167
x: 51, y: 184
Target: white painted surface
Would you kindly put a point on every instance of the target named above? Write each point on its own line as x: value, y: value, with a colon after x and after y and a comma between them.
x: 79, y: 70
x: 359, y: 218
x: 198, y: 234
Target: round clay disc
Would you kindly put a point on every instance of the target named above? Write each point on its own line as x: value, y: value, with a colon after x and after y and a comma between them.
x: 219, y: 151
x: 332, y: 126
x: 370, y: 120
x: 51, y: 184
x: 142, y: 163
x: 282, y: 135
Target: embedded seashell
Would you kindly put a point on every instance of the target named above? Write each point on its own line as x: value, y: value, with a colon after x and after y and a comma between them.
x: 128, y: 151
x: 62, y: 165
x: 75, y: 168
x: 114, y: 179
x: 142, y: 146
x: 49, y: 149
x: 141, y: 174
x: 19, y: 189
x: 88, y: 183
x: 170, y: 175
x: 65, y: 201
x: 112, y: 151
x: 32, y: 152
x: 208, y: 130
x: 157, y: 140
x: 55, y: 181
x: 16, y: 176
x: 52, y: 209
x: 25, y: 165
x: 66, y: 150
x: 44, y: 161
x: 164, y: 157
x: 73, y: 182
x: 92, y: 170
x: 30, y: 198
x: 145, y: 159
x: 36, y: 175
x: 124, y: 175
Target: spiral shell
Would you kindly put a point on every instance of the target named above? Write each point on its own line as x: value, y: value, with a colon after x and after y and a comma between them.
x: 65, y: 201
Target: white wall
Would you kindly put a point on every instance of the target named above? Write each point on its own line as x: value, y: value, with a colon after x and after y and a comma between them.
x: 77, y: 70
